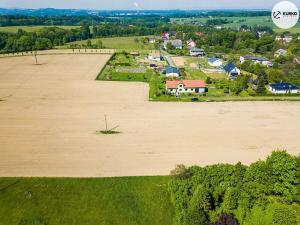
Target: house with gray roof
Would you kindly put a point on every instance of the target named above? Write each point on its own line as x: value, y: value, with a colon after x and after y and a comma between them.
x: 196, y: 52
x: 215, y: 62
x: 280, y: 52
x: 261, y: 60
x: 177, y: 44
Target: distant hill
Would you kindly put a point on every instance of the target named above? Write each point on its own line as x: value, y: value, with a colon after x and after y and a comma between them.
x: 45, y: 12
x: 86, y: 12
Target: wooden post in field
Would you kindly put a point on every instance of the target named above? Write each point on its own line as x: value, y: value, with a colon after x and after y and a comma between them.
x: 35, y: 56
x: 105, y: 122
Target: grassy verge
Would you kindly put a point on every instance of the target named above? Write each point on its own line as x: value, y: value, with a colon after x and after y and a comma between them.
x: 167, y: 98
x: 103, y: 201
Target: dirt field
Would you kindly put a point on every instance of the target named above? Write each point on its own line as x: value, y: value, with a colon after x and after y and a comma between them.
x: 52, y: 111
x: 179, y: 61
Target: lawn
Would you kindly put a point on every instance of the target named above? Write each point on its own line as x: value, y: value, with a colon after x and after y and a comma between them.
x: 102, y: 201
x: 293, y: 30
x: 125, y: 43
x: 14, y: 29
x: 237, y: 22
x: 125, y: 61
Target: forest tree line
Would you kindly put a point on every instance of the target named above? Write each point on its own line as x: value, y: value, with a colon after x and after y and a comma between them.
x: 264, y: 193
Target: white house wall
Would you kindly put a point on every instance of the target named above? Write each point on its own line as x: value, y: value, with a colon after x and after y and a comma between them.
x: 185, y: 90
x: 172, y: 75
x: 274, y: 91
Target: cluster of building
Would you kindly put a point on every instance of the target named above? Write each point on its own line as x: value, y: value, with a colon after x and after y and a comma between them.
x: 178, y: 44
x: 232, y: 70
x: 286, y: 38
x: 177, y: 87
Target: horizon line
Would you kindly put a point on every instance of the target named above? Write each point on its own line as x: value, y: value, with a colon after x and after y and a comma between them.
x: 87, y: 9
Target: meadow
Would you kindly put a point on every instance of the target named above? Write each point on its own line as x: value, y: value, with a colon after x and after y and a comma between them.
x: 125, y: 61
x: 126, y: 43
x: 14, y: 29
x: 237, y: 22
x: 109, y: 201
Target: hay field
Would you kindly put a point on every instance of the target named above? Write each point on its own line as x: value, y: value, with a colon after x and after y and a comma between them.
x: 51, y: 112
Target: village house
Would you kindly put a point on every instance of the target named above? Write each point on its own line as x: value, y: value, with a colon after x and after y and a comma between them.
x: 261, y: 33
x: 197, y: 52
x: 154, y: 56
x: 215, y: 62
x: 261, y: 60
x: 165, y: 36
x: 191, y: 44
x: 172, y: 71
x: 177, y: 44
x: 287, y: 38
x: 283, y: 88
x: 280, y: 52
x: 178, y: 87
x: 297, y: 59
x: 199, y: 34
x: 232, y: 71
x: 245, y: 29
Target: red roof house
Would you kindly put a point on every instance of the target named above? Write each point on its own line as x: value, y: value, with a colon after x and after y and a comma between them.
x: 185, y: 86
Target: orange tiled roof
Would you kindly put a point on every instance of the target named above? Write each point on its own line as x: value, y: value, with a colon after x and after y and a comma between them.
x: 186, y: 83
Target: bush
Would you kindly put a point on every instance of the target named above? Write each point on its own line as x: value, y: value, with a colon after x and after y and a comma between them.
x: 244, y: 93
x: 181, y: 171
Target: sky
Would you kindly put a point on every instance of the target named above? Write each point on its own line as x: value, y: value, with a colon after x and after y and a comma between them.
x: 141, y: 4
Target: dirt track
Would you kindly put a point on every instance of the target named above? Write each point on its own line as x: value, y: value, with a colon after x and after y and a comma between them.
x: 49, y: 118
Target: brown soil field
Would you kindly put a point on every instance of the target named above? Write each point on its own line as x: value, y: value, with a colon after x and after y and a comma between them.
x: 179, y: 61
x: 51, y: 112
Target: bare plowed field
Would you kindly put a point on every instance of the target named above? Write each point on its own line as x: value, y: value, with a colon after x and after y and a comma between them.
x: 51, y: 112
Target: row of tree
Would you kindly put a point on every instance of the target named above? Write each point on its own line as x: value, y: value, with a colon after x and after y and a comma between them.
x: 42, y: 39
x: 264, y: 193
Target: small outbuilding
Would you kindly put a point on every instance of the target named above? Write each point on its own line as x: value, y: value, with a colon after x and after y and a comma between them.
x: 154, y: 56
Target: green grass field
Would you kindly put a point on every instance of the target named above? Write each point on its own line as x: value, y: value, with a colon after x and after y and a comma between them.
x: 101, y: 201
x: 294, y: 30
x: 14, y: 29
x: 126, y: 43
x: 237, y: 22
x: 125, y: 61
